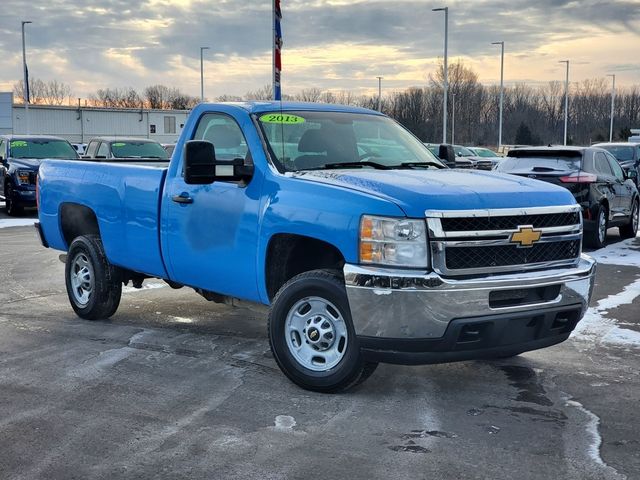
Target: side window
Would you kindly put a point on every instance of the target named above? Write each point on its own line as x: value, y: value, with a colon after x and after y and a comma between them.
x: 2, y: 152
x: 91, y: 149
x: 169, y: 124
x: 615, y: 166
x: 602, y: 165
x: 103, y: 151
x: 224, y: 133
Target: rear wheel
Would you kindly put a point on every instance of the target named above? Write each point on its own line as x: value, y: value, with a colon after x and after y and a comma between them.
x: 94, y: 286
x: 312, y: 336
x: 630, y: 230
x: 597, y: 238
x: 10, y: 203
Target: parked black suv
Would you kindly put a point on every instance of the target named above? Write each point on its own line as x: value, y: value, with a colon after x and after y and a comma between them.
x: 20, y: 157
x: 607, y: 194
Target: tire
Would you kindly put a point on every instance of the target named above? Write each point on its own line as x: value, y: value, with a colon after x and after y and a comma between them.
x: 630, y: 230
x: 94, y: 286
x: 598, y: 237
x: 9, y: 202
x: 320, y: 352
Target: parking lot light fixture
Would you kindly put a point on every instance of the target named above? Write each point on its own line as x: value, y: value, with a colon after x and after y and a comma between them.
x: 446, y: 72
x: 566, y: 101
x: 501, y: 91
x: 202, y: 49
x: 613, y: 102
x: 379, y: 93
x: 25, y: 87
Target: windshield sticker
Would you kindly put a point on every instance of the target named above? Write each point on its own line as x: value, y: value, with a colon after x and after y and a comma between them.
x: 281, y: 118
x: 118, y: 144
x: 18, y: 143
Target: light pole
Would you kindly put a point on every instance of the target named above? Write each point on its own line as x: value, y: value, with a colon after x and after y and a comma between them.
x: 613, y: 101
x: 566, y: 101
x: 501, y: 91
x: 202, y: 49
x: 379, y: 93
x: 25, y: 87
x: 453, y: 118
x: 446, y: 72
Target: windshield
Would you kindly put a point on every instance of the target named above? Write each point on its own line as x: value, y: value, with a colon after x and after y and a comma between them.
x: 41, y: 148
x: 621, y: 152
x: 318, y: 140
x: 485, y: 152
x: 134, y: 149
x: 559, y: 163
x: 462, y: 151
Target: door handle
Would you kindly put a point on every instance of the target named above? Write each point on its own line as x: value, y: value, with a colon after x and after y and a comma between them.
x: 182, y: 198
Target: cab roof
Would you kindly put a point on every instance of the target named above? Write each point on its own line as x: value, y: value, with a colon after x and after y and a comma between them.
x: 273, y: 106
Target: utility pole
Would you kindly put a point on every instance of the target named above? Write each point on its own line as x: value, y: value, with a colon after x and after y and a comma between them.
x: 501, y: 91
x: 566, y: 101
x: 453, y: 118
x: 25, y: 88
x: 202, y: 49
x: 379, y: 93
x: 613, y: 102
x: 446, y: 71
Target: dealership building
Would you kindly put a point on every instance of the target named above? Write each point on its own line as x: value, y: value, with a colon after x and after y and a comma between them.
x: 80, y: 124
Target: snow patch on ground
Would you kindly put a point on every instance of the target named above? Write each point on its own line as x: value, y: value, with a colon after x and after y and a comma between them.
x: 284, y: 423
x: 17, y: 222
x: 145, y: 286
x: 625, y: 253
x: 595, y: 328
x: 593, y: 431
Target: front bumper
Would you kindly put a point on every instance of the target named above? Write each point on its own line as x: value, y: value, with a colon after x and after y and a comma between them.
x: 23, y: 197
x: 402, y: 316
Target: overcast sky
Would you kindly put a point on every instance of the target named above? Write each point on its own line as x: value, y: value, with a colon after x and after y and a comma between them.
x: 329, y: 44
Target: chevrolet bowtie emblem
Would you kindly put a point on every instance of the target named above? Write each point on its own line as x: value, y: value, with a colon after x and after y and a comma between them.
x: 526, y: 236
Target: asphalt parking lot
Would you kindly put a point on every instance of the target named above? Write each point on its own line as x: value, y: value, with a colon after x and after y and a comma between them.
x: 176, y: 387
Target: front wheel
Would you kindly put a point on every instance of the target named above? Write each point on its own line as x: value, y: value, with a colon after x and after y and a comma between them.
x: 630, y: 230
x: 94, y: 286
x: 311, y: 334
x: 10, y: 202
x: 597, y: 238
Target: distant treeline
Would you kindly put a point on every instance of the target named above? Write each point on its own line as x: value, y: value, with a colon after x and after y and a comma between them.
x: 532, y: 115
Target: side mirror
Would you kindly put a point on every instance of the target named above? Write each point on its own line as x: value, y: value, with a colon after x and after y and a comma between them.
x: 632, y: 174
x: 202, y: 168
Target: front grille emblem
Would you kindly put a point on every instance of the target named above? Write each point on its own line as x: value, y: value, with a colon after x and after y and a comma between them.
x: 526, y: 236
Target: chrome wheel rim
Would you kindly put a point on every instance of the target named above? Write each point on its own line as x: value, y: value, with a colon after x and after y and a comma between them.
x: 602, y: 226
x: 82, y: 279
x: 316, y: 334
x: 634, y: 218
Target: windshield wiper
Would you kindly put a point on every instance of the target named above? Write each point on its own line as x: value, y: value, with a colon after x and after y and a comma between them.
x: 331, y: 166
x: 420, y: 164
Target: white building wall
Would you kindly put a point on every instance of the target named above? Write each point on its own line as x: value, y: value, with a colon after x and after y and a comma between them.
x: 6, y: 119
x: 79, y: 125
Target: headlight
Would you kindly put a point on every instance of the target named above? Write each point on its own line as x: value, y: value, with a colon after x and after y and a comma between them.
x: 23, y: 177
x: 398, y: 242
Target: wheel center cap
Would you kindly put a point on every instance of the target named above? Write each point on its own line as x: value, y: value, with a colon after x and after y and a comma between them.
x: 313, y: 334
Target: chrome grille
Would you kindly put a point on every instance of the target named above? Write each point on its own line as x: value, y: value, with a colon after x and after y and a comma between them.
x: 472, y: 242
x: 507, y: 255
x: 510, y: 222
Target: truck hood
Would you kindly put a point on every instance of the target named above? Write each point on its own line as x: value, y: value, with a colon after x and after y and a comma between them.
x: 448, y: 189
x: 27, y: 163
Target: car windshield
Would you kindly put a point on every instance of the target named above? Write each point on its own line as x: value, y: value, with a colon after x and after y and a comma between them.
x: 41, y: 148
x: 134, y: 149
x: 539, y: 163
x: 304, y: 140
x: 462, y: 151
x: 485, y: 152
x: 621, y: 152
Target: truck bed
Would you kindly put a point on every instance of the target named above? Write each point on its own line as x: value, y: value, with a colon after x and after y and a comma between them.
x: 125, y: 199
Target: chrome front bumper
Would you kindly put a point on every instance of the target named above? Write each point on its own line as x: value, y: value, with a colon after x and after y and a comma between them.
x: 408, y: 305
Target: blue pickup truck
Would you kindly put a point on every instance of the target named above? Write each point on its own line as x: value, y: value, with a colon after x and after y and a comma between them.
x: 365, y: 246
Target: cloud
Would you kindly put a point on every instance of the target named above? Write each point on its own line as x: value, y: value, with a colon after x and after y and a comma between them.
x: 331, y: 44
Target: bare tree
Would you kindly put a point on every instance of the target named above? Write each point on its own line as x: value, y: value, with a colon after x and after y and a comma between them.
x: 56, y: 92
